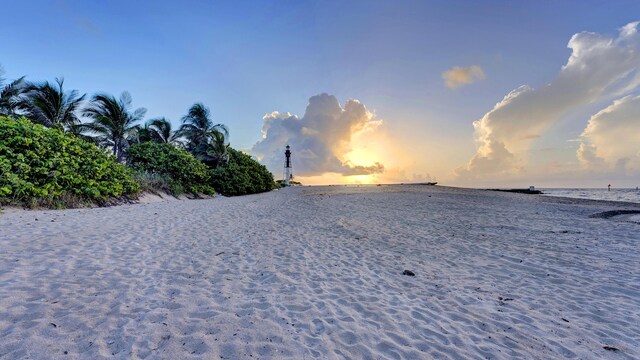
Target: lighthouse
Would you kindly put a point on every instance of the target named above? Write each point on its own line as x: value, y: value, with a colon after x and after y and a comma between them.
x: 287, y: 165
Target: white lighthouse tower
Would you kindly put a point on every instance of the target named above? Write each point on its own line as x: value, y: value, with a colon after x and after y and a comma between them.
x: 287, y: 166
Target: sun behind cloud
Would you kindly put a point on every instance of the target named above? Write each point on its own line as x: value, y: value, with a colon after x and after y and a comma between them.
x: 333, y: 144
x: 320, y: 139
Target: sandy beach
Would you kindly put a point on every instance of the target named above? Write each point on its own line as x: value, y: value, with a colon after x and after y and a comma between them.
x: 317, y: 273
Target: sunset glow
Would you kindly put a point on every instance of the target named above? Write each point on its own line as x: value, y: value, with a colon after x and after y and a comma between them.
x: 464, y: 93
x: 320, y: 179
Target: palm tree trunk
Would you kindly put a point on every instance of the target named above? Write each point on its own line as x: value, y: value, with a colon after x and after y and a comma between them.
x: 115, y: 148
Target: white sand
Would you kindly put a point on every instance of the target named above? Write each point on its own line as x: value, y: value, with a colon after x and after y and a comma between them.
x: 307, y: 273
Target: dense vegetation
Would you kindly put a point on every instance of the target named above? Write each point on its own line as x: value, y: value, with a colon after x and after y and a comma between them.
x: 182, y: 171
x: 40, y: 166
x: 96, y: 148
x: 241, y: 175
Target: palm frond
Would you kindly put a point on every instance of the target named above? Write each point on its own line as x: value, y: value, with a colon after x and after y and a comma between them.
x: 11, y: 97
x: 204, y: 139
x: 113, y: 119
x: 48, y: 104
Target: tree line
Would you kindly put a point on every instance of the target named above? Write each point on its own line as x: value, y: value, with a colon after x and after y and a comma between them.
x: 111, y: 122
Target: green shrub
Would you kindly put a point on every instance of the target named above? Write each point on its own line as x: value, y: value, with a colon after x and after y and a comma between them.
x: 183, y: 172
x: 40, y: 166
x: 241, y: 175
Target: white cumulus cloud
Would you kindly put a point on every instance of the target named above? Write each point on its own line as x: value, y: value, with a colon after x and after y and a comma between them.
x: 611, y: 140
x: 319, y: 139
x: 600, y: 68
x: 459, y: 76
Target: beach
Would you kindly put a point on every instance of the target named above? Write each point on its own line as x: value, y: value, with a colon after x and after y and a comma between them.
x: 317, y: 273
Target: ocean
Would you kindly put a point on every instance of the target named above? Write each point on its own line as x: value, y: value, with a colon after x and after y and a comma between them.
x: 628, y: 195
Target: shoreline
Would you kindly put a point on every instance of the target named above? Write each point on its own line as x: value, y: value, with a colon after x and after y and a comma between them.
x: 149, y: 197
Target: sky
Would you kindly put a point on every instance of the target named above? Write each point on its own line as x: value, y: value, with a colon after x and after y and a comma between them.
x: 466, y: 93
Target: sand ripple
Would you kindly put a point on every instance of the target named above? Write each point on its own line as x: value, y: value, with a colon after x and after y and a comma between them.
x: 316, y: 273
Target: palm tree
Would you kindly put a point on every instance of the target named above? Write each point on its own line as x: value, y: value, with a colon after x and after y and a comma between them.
x: 49, y: 105
x: 113, y: 122
x: 218, y: 150
x: 11, y: 95
x: 160, y: 131
x: 205, y: 140
x: 144, y: 134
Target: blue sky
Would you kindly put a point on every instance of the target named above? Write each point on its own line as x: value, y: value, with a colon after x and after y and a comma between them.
x: 247, y: 59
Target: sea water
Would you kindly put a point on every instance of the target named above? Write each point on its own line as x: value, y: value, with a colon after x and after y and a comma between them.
x: 628, y: 195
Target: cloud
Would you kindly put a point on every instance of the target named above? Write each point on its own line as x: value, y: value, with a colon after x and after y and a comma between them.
x: 599, y: 68
x: 319, y: 140
x: 611, y: 140
x: 459, y: 76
